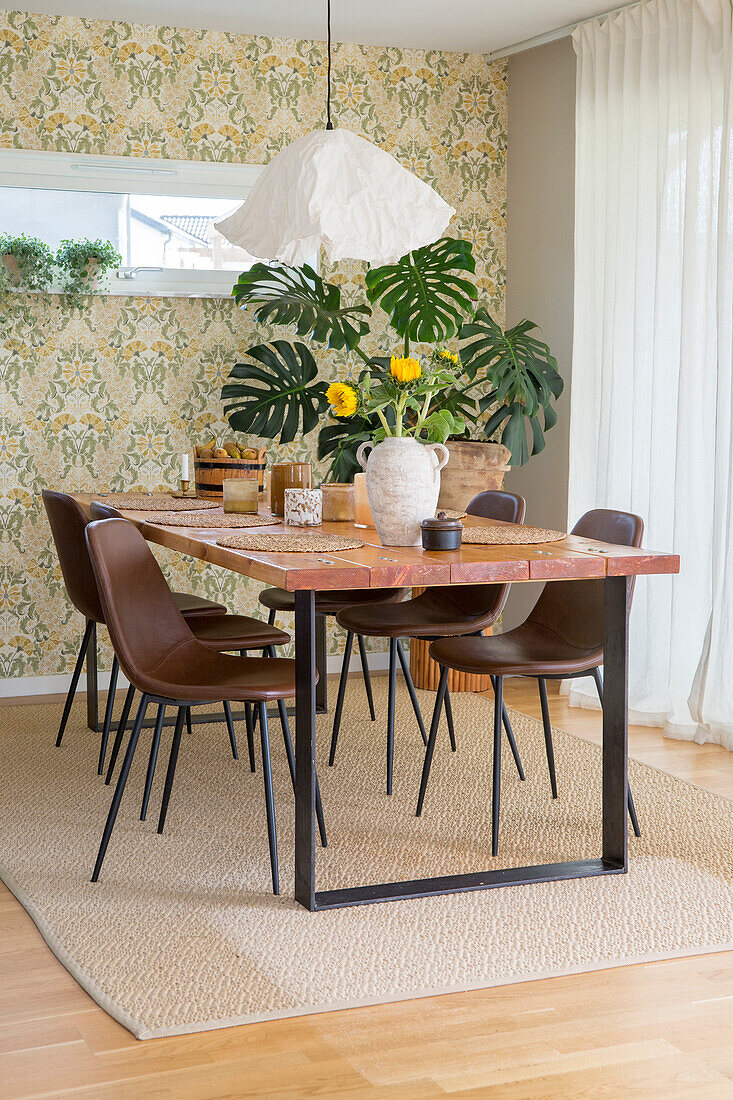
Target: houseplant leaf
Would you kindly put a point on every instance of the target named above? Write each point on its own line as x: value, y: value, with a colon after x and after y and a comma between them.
x: 276, y: 394
x: 426, y: 293
x: 523, y: 378
x: 340, y: 440
x: 298, y: 296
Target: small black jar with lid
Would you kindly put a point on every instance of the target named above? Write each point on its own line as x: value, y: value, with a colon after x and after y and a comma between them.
x: 441, y: 533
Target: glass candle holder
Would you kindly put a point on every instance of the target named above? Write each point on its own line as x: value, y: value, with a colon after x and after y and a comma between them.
x: 304, y: 507
x: 362, y: 511
x: 338, y: 502
x: 241, y: 494
x: 287, y: 475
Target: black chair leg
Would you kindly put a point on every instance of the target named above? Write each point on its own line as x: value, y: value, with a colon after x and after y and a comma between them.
x: 152, y: 760
x: 283, y: 710
x: 189, y: 726
x: 449, y: 720
x: 439, y: 699
x: 75, y: 679
x: 269, y: 801
x: 120, y: 734
x: 271, y: 617
x: 230, y: 728
x: 496, y: 770
x: 108, y: 713
x: 411, y: 689
x: 120, y: 788
x: 390, y: 710
x: 629, y: 796
x: 172, y: 761
x: 548, y: 734
x: 510, y: 735
x: 340, y: 698
x: 250, y: 735
x: 366, y: 674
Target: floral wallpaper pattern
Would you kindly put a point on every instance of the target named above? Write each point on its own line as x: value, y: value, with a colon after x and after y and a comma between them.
x: 109, y: 396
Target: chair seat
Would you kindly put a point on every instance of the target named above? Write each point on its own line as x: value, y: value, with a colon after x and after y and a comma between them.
x: 529, y: 650
x: 197, y: 674
x: 223, y: 632
x: 432, y: 614
x: 192, y: 607
x: 330, y: 603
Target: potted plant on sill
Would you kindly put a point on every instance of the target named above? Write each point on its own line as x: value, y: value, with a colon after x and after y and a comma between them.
x: 27, y: 263
x: 507, y: 377
x: 82, y: 265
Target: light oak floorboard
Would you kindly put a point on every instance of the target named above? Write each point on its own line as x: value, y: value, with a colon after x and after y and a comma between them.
x: 656, y: 1030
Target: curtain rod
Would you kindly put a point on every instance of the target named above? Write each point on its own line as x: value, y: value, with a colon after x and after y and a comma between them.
x: 553, y: 36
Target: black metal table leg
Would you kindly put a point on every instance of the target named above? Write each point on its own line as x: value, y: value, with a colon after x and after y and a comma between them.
x: 615, y: 721
x: 305, y: 749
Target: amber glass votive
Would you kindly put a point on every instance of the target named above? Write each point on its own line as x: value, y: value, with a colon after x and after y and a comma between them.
x: 287, y: 475
x: 362, y: 511
x: 241, y: 494
x: 338, y: 502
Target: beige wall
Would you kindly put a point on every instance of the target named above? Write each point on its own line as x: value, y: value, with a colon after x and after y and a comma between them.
x: 540, y: 203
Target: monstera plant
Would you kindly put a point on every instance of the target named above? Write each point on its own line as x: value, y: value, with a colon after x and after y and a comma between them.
x: 506, y: 380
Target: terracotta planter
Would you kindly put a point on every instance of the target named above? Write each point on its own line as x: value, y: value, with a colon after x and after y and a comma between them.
x: 473, y: 467
x: 12, y: 269
x: 403, y: 482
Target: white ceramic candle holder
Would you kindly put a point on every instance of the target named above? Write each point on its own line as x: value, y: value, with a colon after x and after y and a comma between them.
x: 304, y: 507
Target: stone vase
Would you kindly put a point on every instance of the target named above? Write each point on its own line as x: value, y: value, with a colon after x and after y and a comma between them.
x: 403, y: 483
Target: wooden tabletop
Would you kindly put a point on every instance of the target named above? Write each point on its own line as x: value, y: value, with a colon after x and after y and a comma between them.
x: 378, y: 566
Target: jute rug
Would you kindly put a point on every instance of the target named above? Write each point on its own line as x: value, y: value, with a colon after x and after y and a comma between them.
x: 182, y: 933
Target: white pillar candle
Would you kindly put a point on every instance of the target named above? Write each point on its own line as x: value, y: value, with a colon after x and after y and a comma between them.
x: 184, y: 468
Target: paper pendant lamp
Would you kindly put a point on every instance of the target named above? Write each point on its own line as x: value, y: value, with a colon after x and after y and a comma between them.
x: 334, y: 189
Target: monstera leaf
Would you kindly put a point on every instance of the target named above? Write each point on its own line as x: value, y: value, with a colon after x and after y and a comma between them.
x: 340, y: 441
x: 298, y: 296
x: 276, y: 392
x: 523, y: 379
x: 425, y: 293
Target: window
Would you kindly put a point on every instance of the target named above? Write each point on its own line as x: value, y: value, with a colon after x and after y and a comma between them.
x: 159, y: 214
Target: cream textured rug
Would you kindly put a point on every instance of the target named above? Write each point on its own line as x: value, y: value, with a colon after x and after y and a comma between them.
x: 182, y: 933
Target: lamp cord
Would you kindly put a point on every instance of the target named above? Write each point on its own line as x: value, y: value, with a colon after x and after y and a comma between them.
x: 329, y: 124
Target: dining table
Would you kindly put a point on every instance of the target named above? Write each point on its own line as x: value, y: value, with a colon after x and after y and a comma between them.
x: 373, y: 565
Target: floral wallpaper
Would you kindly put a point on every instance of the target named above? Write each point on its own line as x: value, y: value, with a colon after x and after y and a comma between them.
x: 109, y: 396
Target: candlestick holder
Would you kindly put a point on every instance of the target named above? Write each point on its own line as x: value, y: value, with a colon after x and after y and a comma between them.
x: 184, y: 486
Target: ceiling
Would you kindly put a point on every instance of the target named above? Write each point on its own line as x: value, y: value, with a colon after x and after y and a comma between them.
x: 476, y: 26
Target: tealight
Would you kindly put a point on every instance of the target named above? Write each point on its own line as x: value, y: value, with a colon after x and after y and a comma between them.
x: 304, y: 507
x: 241, y: 494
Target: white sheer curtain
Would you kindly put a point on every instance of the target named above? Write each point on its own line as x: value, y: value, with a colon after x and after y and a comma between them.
x: 652, y: 395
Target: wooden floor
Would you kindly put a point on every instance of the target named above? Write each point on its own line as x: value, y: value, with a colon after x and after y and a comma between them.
x: 657, y: 1030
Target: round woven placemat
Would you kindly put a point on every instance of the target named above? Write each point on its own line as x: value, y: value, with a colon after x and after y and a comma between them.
x: 157, y: 502
x: 509, y: 536
x: 209, y: 519
x: 300, y: 542
x: 451, y: 513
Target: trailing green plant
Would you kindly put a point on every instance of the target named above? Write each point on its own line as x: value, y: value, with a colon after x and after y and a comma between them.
x: 496, y: 381
x: 82, y: 264
x: 33, y: 260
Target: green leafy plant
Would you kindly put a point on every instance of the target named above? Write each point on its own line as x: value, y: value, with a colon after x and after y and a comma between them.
x: 82, y: 264
x: 27, y: 263
x: 508, y: 376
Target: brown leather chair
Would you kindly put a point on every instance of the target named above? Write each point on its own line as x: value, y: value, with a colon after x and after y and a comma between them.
x: 163, y: 660
x: 329, y: 604
x: 435, y: 613
x: 562, y: 638
x: 67, y: 520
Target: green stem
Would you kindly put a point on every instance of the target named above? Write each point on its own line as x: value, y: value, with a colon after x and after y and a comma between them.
x: 383, y: 418
x: 407, y: 345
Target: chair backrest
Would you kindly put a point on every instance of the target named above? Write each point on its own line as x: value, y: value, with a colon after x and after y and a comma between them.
x: 497, y: 504
x: 573, y: 610
x: 485, y: 600
x: 141, y: 615
x: 98, y: 510
x: 68, y: 521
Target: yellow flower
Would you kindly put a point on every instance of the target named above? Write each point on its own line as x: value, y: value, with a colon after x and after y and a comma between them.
x: 449, y: 356
x: 405, y: 370
x: 342, y: 398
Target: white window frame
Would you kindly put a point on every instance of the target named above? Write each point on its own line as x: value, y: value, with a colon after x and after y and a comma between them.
x: 141, y: 176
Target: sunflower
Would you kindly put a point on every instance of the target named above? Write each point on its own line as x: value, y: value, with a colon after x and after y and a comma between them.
x: 448, y: 357
x: 342, y: 398
x: 405, y: 370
